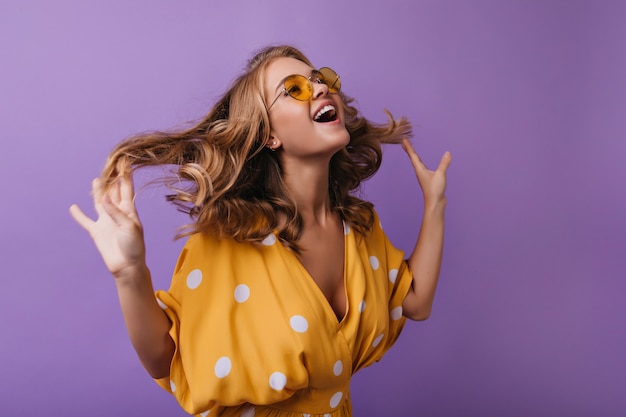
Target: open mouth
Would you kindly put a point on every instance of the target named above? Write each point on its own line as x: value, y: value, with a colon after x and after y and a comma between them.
x: 326, y: 114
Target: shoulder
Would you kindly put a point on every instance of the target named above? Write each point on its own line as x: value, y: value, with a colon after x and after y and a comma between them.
x: 376, y: 239
x: 203, y: 241
x: 376, y: 229
x: 203, y: 247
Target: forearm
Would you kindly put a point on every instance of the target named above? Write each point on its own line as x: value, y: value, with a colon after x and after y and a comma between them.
x: 425, y: 262
x: 147, y: 324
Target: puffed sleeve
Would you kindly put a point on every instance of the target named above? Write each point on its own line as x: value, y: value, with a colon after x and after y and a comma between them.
x: 388, y: 280
x: 399, y: 278
x: 170, y: 303
x: 233, y: 341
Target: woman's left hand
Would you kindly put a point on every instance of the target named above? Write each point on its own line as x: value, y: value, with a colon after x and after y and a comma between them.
x: 425, y: 260
x: 432, y: 183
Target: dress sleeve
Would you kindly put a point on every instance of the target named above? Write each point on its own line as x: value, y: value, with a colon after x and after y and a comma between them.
x: 392, y: 281
x: 170, y: 302
x: 226, y: 354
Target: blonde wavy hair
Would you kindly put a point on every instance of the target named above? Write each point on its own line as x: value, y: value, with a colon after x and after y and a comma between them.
x: 226, y: 179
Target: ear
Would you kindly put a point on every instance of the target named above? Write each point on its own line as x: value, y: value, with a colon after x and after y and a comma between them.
x: 273, y: 143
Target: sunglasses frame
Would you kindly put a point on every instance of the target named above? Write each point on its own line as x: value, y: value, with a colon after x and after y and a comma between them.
x: 314, y: 75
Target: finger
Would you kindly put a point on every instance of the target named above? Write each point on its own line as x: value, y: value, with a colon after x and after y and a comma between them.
x: 116, y: 214
x: 408, y: 147
x: 96, y: 191
x: 415, y: 158
x: 114, y: 192
x: 445, y: 162
x: 83, y: 220
x: 127, y: 191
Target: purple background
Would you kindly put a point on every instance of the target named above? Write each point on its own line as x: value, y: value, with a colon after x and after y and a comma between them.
x: 530, y: 97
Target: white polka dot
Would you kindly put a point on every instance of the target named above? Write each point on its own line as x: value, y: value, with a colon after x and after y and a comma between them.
x: 326, y: 415
x: 306, y: 415
x: 206, y: 413
x: 362, y: 306
x: 393, y: 274
x: 346, y: 229
x: 242, y: 293
x: 278, y: 380
x: 248, y: 412
x: 194, y: 279
x: 374, y: 262
x: 299, y: 324
x: 161, y: 304
x: 269, y: 240
x: 338, y: 368
x: 378, y: 340
x: 336, y: 399
x: 172, y: 386
x: 222, y: 367
x: 396, y: 313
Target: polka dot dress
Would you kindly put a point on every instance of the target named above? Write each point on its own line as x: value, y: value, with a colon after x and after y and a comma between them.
x: 255, y: 335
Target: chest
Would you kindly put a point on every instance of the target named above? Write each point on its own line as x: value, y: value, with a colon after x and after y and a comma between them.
x: 322, y: 256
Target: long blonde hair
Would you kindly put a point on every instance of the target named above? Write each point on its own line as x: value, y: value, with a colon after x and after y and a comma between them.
x: 231, y: 184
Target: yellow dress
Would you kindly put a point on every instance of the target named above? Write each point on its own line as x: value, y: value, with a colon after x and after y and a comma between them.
x: 255, y: 336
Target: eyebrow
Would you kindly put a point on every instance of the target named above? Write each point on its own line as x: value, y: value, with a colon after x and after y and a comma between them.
x: 281, y: 82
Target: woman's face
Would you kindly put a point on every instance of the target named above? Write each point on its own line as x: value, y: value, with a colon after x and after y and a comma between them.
x: 303, y: 129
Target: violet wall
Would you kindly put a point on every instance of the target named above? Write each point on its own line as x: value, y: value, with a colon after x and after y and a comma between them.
x: 530, y: 97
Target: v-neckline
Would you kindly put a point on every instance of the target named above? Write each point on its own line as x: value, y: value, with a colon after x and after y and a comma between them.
x: 326, y: 303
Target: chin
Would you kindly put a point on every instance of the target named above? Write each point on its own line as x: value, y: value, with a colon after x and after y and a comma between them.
x: 346, y: 140
x: 341, y: 142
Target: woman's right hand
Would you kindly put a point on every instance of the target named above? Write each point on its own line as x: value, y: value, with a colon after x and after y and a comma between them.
x: 117, y: 232
x: 118, y: 235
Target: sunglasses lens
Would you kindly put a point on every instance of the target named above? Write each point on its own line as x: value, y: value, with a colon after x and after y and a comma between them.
x: 298, y: 87
x: 330, y: 78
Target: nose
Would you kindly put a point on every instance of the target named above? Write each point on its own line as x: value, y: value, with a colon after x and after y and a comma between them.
x: 319, y: 90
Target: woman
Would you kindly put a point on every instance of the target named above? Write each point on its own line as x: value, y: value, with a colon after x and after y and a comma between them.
x: 287, y: 284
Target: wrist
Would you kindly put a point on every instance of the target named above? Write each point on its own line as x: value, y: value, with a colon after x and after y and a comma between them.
x: 435, y: 205
x: 132, y: 275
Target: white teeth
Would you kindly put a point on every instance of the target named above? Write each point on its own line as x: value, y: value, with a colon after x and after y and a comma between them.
x: 323, y: 110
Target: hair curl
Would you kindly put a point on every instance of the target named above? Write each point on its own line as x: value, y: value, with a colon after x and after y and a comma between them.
x: 231, y: 184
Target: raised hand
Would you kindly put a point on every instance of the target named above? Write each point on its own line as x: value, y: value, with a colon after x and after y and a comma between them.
x: 433, y: 183
x: 118, y: 235
x: 425, y: 260
x: 117, y: 232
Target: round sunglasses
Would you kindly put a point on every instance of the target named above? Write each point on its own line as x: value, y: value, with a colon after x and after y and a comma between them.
x: 299, y: 87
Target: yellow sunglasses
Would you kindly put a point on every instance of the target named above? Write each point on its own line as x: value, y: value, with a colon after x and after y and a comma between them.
x: 299, y: 87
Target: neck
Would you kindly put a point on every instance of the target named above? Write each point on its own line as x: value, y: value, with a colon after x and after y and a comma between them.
x: 308, y: 185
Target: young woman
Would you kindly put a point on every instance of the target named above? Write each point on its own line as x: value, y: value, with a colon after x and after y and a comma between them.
x: 287, y: 284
